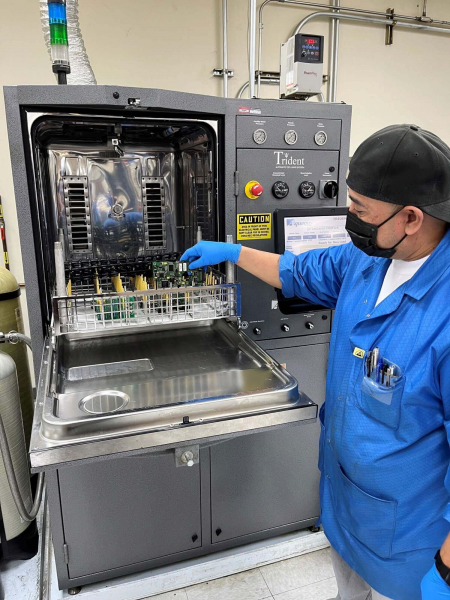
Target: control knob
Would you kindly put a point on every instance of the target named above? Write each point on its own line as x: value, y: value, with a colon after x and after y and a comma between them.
x: 309, y: 325
x: 285, y: 327
x: 257, y: 331
x: 280, y: 189
x: 330, y: 189
x: 307, y: 189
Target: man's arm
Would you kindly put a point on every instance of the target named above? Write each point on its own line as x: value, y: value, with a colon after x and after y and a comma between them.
x: 316, y: 275
x: 264, y: 265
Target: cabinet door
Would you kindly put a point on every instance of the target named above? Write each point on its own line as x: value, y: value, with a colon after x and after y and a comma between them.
x: 123, y: 511
x: 267, y: 480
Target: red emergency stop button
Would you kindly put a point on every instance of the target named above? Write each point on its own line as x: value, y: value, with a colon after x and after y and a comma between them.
x: 253, y: 190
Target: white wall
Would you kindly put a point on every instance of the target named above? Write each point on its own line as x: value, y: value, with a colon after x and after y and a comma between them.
x: 175, y: 44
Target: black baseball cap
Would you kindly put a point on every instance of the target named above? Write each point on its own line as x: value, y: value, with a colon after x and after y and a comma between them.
x: 405, y: 165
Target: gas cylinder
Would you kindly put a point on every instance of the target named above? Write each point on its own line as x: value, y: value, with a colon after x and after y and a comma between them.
x: 19, y: 539
x: 11, y: 320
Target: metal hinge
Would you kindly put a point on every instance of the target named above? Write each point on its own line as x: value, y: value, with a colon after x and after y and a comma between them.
x: 236, y: 183
x: 66, y: 553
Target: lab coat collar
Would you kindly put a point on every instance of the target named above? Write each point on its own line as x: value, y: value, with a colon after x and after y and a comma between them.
x: 432, y: 270
x: 426, y: 276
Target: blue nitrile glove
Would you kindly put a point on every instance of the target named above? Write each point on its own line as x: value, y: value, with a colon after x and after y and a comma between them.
x: 434, y: 587
x: 211, y: 253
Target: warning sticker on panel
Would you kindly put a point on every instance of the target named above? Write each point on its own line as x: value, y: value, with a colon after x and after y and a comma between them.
x: 254, y: 226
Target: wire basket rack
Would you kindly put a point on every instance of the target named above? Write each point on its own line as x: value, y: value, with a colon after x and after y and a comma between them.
x: 110, y: 311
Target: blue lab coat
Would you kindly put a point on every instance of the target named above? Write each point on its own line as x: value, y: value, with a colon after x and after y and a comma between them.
x: 385, y: 478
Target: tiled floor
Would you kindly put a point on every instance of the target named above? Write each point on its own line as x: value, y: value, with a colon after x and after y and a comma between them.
x: 307, y: 577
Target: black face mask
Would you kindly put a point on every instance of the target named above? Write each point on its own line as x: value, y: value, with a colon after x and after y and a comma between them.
x: 364, y: 235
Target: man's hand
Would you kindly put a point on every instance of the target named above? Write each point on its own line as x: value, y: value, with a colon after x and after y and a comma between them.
x: 434, y: 587
x: 211, y: 253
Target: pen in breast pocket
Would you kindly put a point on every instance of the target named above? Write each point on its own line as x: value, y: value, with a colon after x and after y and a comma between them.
x: 380, y: 365
x: 375, y: 353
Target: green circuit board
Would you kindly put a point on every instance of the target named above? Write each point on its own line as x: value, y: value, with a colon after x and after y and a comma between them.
x: 170, y: 274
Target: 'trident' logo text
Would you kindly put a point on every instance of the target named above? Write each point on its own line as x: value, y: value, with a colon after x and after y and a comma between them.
x: 285, y: 159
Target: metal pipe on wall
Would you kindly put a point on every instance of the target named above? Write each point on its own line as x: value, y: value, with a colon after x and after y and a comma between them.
x: 225, y: 47
x: 377, y: 13
x: 318, y: 15
x: 334, y: 54
x: 252, y: 47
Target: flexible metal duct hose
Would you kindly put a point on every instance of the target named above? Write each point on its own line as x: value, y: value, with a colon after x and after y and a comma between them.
x: 81, y: 70
x: 25, y: 515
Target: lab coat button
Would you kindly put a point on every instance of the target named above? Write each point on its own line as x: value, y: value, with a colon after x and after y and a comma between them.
x: 367, y: 316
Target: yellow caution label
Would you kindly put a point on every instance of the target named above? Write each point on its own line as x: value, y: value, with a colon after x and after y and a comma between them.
x: 6, y: 258
x: 1, y: 211
x: 359, y: 352
x: 254, y: 226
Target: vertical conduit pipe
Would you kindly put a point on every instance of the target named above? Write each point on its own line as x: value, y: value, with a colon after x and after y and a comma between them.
x: 252, y: 46
x: 225, y: 47
x: 334, y: 51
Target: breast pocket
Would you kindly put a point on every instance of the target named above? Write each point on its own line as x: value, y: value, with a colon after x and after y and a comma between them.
x: 381, y: 403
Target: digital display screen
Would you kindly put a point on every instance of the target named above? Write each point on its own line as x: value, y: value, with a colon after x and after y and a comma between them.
x: 306, y: 233
x: 309, y: 48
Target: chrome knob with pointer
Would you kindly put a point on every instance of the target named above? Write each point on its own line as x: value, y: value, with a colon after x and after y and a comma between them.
x: 307, y: 189
x: 280, y: 189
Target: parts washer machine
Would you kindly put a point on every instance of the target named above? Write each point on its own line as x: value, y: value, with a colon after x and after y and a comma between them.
x: 198, y: 445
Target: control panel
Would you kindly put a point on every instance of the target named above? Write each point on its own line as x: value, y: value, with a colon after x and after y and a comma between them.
x: 301, y: 62
x: 308, y: 48
x: 288, y: 178
x: 282, y: 163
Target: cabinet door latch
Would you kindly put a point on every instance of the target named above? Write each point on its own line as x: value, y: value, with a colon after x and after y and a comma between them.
x: 66, y: 553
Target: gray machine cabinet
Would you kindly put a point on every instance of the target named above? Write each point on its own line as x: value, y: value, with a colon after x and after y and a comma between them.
x: 100, y: 502
x: 262, y: 482
x: 253, y: 488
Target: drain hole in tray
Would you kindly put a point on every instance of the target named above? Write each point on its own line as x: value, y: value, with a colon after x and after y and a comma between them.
x: 107, y: 401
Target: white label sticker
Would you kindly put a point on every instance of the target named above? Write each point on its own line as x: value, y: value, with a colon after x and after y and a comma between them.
x: 274, y: 304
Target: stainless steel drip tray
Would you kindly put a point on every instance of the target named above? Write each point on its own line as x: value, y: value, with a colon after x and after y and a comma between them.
x: 198, y: 375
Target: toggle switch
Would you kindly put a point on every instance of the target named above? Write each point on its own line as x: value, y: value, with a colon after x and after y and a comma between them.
x: 309, y: 325
x: 285, y: 327
x: 253, y: 190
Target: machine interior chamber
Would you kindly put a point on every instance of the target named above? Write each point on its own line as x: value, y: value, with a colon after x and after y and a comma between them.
x: 121, y: 188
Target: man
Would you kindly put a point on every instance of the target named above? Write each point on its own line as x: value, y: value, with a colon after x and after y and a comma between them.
x: 384, y: 448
